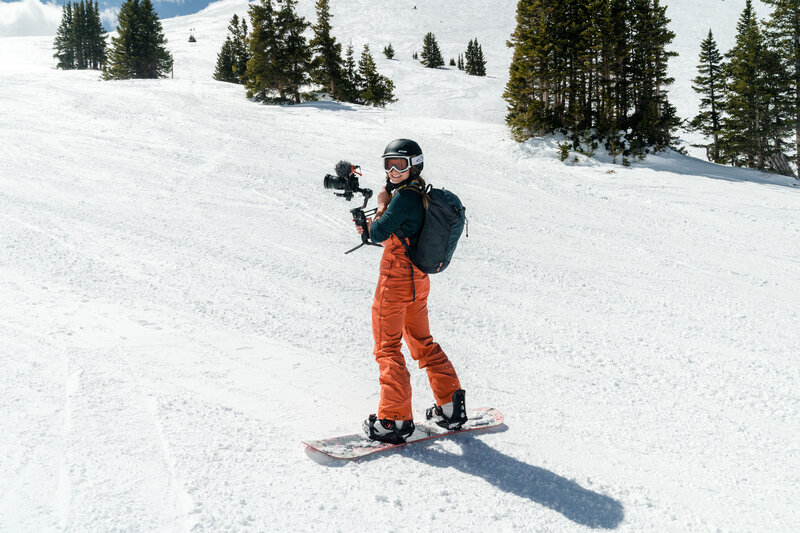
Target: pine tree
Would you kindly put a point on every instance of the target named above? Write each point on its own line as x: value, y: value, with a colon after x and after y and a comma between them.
x: 608, y: 68
x: 79, y: 34
x: 744, y: 139
x: 476, y: 64
x: 225, y: 61
x: 377, y: 90
x: 653, y: 118
x: 64, y: 43
x: 139, y: 50
x: 431, y: 55
x: 527, y: 91
x: 388, y: 51
x: 279, y: 54
x: 591, y: 69
x: 232, y: 57
x: 263, y: 71
x: 778, y: 112
x: 295, y: 60
x: 97, y: 39
x: 351, y: 82
x: 239, y: 52
x: 784, y: 31
x: 327, y: 68
x: 80, y: 41
x: 460, y: 62
x: 709, y: 84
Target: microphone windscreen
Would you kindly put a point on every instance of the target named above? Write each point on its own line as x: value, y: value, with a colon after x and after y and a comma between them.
x: 343, y: 168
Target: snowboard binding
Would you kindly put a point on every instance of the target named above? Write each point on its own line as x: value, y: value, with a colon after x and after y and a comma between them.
x: 384, y: 430
x: 449, y: 416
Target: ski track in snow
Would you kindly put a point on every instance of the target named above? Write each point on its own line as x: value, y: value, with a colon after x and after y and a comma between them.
x: 178, y: 312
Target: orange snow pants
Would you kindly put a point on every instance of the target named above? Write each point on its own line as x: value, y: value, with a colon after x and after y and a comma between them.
x: 400, y: 311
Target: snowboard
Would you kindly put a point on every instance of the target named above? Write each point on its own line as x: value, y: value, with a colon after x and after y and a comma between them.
x: 357, y: 445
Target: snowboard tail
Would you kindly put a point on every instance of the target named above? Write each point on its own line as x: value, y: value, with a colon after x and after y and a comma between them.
x: 358, y: 445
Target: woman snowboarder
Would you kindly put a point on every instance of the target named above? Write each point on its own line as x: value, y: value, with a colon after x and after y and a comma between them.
x: 400, y: 309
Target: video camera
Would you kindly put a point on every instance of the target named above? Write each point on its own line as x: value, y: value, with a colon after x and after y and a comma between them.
x: 346, y: 179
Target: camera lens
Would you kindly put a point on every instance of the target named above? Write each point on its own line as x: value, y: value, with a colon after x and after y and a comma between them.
x: 334, y: 182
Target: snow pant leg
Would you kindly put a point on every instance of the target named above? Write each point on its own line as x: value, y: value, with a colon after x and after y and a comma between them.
x: 416, y: 332
x: 388, y: 317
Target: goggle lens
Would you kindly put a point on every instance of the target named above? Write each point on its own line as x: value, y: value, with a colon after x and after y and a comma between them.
x: 400, y: 164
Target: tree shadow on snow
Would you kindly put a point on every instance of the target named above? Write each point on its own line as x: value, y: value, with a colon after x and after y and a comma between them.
x: 327, y: 105
x: 541, y: 486
x: 677, y: 163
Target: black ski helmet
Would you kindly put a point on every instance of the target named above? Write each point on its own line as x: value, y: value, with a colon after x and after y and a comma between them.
x: 406, y: 148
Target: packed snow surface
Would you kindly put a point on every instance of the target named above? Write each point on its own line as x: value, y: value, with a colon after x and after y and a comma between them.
x: 178, y: 314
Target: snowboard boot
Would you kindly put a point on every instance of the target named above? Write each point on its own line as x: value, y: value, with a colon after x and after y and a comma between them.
x: 391, y: 431
x: 451, y: 415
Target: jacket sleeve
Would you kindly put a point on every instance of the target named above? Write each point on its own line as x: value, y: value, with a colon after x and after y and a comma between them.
x: 396, y: 213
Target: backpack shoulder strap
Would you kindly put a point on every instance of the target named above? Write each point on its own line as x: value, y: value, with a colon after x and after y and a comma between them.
x: 414, y: 186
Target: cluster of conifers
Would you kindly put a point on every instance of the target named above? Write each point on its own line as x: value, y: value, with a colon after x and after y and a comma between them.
x: 750, y: 97
x: 595, y: 70
x: 80, y: 40
x: 138, y: 50
x: 274, y: 61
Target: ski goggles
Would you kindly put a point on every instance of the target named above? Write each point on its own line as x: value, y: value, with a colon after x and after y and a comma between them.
x: 400, y: 163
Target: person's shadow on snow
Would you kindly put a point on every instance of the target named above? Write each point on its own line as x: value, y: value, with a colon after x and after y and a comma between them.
x: 576, y: 503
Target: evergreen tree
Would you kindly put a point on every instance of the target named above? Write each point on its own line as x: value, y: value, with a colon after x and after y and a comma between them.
x: 352, y: 82
x: 377, y: 90
x: 79, y: 34
x: 64, y: 43
x: 750, y: 124
x: 607, y: 69
x: 476, y: 64
x: 296, y: 56
x: 653, y: 118
x: 326, y: 68
x: 97, y: 40
x: 784, y: 31
x: 232, y: 57
x: 460, y: 62
x: 263, y: 70
x: 709, y: 84
x: 591, y: 69
x: 139, y: 50
x: 431, y: 55
x: 240, y: 54
x: 80, y: 41
x: 225, y: 63
x: 527, y: 91
x: 388, y: 51
x: 778, y: 112
x: 279, y: 54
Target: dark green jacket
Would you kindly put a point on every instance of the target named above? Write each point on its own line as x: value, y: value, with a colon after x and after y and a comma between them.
x: 405, y: 211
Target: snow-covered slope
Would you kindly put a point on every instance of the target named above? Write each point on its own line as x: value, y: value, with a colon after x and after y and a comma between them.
x: 178, y: 312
